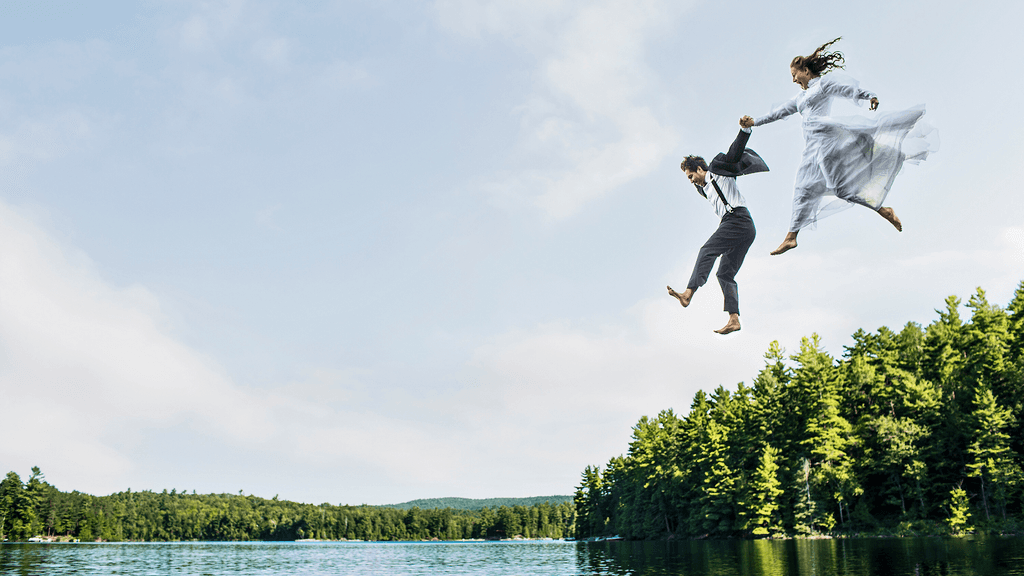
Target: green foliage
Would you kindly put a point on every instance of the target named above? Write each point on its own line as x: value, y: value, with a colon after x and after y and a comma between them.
x: 761, y: 505
x: 36, y: 508
x: 900, y: 436
x: 591, y: 515
x: 959, y: 512
x: 805, y: 508
x: 479, y: 503
x: 991, y: 460
x: 895, y: 453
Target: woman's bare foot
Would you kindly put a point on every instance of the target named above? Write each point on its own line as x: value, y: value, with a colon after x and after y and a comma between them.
x: 788, y: 244
x: 733, y: 325
x: 890, y: 215
x: 683, y: 298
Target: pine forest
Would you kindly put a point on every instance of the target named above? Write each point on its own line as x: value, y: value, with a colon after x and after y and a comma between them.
x: 36, y: 508
x: 913, y: 432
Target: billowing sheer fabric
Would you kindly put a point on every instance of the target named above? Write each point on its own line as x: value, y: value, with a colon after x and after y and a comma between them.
x: 848, y: 160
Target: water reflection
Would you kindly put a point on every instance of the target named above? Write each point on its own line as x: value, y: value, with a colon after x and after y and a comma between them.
x: 992, y: 556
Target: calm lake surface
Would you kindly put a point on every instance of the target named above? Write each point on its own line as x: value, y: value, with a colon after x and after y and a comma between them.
x: 854, y: 557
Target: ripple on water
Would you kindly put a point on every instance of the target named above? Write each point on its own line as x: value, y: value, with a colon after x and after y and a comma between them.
x: 992, y: 556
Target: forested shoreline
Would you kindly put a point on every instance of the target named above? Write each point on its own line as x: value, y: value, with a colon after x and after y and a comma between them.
x: 36, y: 508
x: 913, y: 432
x: 478, y: 503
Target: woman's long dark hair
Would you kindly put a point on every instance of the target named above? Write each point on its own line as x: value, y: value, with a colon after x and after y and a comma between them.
x: 821, y: 62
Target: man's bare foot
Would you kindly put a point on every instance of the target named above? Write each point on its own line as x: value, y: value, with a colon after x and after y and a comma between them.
x: 890, y: 215
x: 684, y: 298
x: 733, y: 325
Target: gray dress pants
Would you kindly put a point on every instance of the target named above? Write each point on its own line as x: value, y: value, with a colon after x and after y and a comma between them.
x: 731, y: 241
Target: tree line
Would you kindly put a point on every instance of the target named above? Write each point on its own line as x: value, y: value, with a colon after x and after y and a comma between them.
x: 912, y: 432
x: 479, y: 503
x: 36, y: 508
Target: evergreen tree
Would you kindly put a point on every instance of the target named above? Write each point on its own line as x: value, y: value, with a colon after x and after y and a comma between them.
x: 10, y: 496
x: 830, y: 437
x: 715, y: 512
x: 694, y: 432
x: 1014, y: 382
x: 590, y: 516
x: 943, y: 347
x: 655, y: 460
x: 959, y: 511
x: 992, y: 461
x: 986, y: 344
x: 1015, y: 326
x: 615, y: 486
x: 900, y: 455
x: 805, y: 507
x: 944, y: 366
x: 761, y: 503
x: 910, y: 348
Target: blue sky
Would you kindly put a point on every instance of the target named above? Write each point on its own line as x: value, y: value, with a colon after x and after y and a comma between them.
x: 375, y: 251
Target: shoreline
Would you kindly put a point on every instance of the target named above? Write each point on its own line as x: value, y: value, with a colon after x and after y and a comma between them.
x: 496, y: 540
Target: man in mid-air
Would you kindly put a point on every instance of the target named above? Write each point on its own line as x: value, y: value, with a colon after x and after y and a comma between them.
x: 735, y: 232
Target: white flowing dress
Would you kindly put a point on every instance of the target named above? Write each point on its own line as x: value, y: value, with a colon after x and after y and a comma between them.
x: 854, y: 159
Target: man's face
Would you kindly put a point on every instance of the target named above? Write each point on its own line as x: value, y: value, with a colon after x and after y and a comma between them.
x: 696, y: 177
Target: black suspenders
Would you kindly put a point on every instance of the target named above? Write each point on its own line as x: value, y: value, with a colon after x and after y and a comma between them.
x: 728, y: 208
x: 725, y: 202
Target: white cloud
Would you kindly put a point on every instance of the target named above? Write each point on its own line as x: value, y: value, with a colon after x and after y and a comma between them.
x: 88, y: 370
x: 82, y: 360
x: 565, y: 395
x: 91, y: 375
x: 589, y: 118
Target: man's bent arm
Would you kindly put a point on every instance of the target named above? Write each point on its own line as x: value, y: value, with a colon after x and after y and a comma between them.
x: 738, y: 145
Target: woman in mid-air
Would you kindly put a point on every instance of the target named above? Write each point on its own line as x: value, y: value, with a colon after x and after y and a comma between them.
x: 854, y: 158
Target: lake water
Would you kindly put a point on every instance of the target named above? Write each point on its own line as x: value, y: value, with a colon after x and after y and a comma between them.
x: 989, y: 556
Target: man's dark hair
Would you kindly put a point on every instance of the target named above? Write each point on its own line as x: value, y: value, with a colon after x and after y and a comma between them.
x: 692, y: 163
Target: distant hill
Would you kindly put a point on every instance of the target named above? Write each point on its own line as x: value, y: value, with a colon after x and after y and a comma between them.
x: 478, y: 503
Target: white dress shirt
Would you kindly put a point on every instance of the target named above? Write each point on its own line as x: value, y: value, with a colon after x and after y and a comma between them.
x: 729, y: 190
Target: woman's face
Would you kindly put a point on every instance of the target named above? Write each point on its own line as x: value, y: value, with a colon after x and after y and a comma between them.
x: 801, y: 76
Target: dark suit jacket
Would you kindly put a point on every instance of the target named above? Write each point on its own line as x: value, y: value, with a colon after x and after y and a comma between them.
x: 739, y: 161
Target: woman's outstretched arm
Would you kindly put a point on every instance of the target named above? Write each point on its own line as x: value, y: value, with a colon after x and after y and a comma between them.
x: 778, y: 113
x: 847, y: 87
